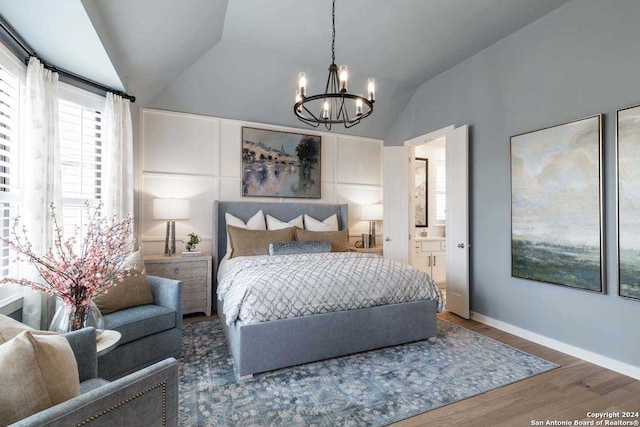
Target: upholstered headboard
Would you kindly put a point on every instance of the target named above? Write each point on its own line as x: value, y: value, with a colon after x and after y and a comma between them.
x: 282, y: 211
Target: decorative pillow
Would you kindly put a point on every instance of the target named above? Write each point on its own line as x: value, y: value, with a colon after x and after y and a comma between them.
x: 10, y: 328
x: 275, y: 224
x: 329, y: 224
x: 255, y: 242
x: 38, y: 372
x: 339, y: 240
x: 132, y: 292
x: 292, y: 248
x: 256, y: 222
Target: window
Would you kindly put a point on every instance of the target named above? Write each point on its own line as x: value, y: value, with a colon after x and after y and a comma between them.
x: 80, y: 120
x: 441, y: 190
x: 12, y: 73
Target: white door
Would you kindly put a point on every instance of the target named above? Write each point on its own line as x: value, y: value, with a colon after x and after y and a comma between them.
x: 397, y: 170
x: 458, y: 221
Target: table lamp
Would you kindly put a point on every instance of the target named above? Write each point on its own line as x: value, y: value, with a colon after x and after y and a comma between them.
x: 371, y: 213
x: 171, y: 210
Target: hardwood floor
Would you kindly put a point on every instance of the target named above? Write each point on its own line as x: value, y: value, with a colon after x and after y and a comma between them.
x: 567, y: 393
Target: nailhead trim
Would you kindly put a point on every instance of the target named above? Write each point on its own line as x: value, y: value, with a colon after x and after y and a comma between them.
x: 163, y: 384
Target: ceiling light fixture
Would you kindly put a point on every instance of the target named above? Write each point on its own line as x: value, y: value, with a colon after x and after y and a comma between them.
x: 335, y: 105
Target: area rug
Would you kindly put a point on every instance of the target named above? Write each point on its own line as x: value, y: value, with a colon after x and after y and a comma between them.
x: 374, y: 388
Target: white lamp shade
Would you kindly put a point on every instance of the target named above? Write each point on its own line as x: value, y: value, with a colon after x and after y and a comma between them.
x: 371, y: 212
x: 171, y: 209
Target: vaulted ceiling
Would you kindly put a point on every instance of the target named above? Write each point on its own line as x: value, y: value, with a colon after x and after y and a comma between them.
x: 240, y: 59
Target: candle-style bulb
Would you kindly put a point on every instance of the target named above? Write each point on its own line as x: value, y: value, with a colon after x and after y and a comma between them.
x: 298, y: 99
x: 359, y: 106
x: 302, y: 84
x: 343, y: 76
x: 325, y: 110
x: 371, y: 89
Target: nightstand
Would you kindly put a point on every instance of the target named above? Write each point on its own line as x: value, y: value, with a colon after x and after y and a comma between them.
x: 376, y: 250
x: 195, y: 274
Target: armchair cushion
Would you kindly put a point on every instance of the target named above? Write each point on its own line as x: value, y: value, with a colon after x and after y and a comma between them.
x: 138, y: 322
x: 133, y: 291
x: 39, y: 371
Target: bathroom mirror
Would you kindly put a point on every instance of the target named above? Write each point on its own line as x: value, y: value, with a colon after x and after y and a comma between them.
x: 421, y: 192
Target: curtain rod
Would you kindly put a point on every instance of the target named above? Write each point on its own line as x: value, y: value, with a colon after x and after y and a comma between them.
x: 8, y: 29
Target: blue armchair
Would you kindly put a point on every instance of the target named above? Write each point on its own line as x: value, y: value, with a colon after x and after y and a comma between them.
x: 148, y: 397
x: 150, y: 333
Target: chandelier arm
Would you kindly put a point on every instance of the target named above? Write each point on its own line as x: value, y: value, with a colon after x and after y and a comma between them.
x: 309, y: 122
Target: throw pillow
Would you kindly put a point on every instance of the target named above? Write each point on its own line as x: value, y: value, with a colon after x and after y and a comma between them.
x: 255, y: 242
x: 275, y: 224
x: 256, y: 222
x: 339, y: 239
x: 293, y: 248
x: 9, y: 328
x: 329, y: 224
x: 39, y: 371
x: 132, y: 292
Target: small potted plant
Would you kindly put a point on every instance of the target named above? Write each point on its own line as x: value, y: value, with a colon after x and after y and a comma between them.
x: 193, y: 241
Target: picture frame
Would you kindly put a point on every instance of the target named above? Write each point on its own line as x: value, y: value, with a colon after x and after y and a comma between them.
x: 557, y: 216
x: 280, y: 164
x: 421, y: 192
x: 628, y: 201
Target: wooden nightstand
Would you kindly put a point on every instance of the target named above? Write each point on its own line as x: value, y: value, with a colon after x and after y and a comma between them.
x: 195, y: 274
x: 376, y: 250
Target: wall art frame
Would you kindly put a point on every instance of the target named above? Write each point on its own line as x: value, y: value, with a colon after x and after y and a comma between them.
x: 280, y: 164
x: 557, y: 211
x: 628, y: 201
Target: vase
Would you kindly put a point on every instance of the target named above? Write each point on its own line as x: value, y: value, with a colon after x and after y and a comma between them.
x: 69, y: 318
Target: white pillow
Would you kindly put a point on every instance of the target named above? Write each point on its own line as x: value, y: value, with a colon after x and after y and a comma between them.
x: 256, y: 222
x: 329, y: 224
x: 274, y: 223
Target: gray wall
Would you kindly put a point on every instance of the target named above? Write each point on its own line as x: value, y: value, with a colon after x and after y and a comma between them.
x: 579, y: 60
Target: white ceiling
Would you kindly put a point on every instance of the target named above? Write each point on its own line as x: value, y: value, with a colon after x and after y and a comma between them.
x: 157, y: 47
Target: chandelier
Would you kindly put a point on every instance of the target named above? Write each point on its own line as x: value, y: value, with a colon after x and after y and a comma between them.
x: 336, y: 105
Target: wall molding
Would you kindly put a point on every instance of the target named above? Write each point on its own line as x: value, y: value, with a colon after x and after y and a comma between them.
x: 589, y: 356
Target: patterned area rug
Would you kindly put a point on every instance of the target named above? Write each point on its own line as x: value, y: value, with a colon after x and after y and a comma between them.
x: 367, y: 389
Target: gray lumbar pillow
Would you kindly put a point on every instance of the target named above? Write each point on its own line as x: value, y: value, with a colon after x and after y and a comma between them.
x: 293, y: 248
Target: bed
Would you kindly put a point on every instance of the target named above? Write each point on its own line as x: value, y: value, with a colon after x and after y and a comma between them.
x: 274, y: 344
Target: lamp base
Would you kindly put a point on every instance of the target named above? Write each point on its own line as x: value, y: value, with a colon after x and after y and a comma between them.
x: 170, y: 239
x: 372, y: 234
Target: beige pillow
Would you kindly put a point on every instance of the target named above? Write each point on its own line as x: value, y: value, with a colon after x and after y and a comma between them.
x: 38, y: 372
x: 256, y: 222
x: 132, y: 292
x: 339, y: 239
x: 9, y: 328
x: 255, y: 242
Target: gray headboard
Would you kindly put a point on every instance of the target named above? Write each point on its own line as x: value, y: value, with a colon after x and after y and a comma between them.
x: 282, y: 211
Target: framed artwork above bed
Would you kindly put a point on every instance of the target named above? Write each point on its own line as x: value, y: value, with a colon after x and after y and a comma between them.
x: 280, y: 164
x: 557, y: 233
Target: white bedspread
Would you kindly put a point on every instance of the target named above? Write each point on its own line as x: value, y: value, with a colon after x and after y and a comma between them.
x: 262, y: 288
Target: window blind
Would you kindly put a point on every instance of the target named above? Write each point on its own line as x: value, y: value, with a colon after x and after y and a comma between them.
x: 9, y: 125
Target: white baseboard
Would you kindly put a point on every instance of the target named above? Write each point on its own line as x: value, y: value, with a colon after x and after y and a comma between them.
x: 589, y: 356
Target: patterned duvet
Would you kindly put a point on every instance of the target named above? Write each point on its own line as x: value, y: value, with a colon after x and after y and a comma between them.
x: 262, y: 288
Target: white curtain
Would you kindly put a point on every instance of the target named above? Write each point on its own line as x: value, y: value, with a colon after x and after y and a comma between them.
x: 41, y: 180
x: 117, y: 137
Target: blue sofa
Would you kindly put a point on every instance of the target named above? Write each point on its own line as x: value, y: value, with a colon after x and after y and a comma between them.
x: 148, y: 397
x: 150, y: 333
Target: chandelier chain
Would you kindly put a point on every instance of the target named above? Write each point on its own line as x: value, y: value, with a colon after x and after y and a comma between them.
x: 333, y: 39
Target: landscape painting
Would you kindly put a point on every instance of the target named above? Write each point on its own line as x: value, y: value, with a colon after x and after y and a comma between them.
x: 556, y: 196
x: 280, y: 164
x: 628, y: 135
